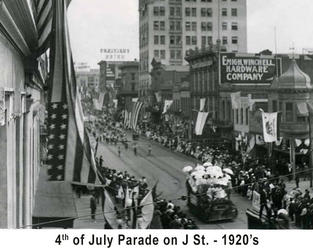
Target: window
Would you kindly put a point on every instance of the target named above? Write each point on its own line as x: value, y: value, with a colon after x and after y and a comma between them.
x: 162, y: 39
x: 172, y: 40
x: 194, y: 26
x: 156, y: 53
x: 133, y: 87
x: 162, y: 11
x: 209, y: 26
x: 203, y: 41
x: 234, y: 40
x: 187, y: 11
x: 203, y: 26
x: 224, y: 40
x: 247, y: 116
x: 162, y: 25
x: 178, y: 54
x: 178, y: 11
x: 210, y: 40
x: 194, y: 40
x: 241, y: 115
x: 209, y: 12
x: 234, y: 12
x: 187, y: 26
x: 274, y: 105
x: 203, y: 11
x: 172, y: 53
x: 289, y: 112
x: 178, y: 40
x: 194, y: 12
x: 224, y: 12
x: 172, y: 25
x: 156, y: 25
x: 156, y: 39
x: 236, y: 116
x: 188, y: 40
x: 234, y: 26
x: 178, y: 25
x: 156, y: 11
x: 162, y: 52
x: 172, y: 11
x: 224, y: 26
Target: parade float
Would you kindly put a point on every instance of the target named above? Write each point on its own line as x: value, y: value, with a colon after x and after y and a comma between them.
x: 208, y: 192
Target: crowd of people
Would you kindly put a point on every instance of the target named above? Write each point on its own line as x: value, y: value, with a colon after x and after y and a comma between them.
x: 249, y: 175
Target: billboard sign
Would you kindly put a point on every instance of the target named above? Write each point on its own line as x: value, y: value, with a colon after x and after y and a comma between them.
x: 250, y: 69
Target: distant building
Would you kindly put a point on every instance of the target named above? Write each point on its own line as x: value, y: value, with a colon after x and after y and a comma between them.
x: 88, y: 79
x: 167, y: 29
x: 127, y: 88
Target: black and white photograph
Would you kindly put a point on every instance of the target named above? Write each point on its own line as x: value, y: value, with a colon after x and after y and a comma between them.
x: 156, y: 114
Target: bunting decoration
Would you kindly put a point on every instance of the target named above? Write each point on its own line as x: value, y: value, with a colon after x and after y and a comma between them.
x: 135, y: 114
x: 70, y: 157
x: 167, y: 105
x: 110, y: 210
x: 147, y: 209
x: 235, y: 100
x: 201, y: 119
x: 269, y: 121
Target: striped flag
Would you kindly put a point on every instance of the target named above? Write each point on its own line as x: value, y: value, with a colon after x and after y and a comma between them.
x: 70, y: 157
x: 135, y: 114
x: 109, y: 210
x: 147, y: 209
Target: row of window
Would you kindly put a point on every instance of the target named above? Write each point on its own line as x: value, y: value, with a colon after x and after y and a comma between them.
x: 159, y: 39
x: 190, y: 11
x: 159, y: 54
x: 239, y: 116
x: 192, y: 40
x: 192, y: 26
x: 175, y: 54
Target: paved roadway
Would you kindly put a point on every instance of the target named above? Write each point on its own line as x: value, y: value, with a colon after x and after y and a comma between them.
x: 165, y: 167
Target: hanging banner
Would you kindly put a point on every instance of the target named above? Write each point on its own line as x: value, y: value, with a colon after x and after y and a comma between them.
x: 167, y: 105
x: 201, y: 119
x: 115, y: 102
x: 2, y: 107
x: 202, y: 104
x: 158, y: 97
x: 269, y: 121
x: 235, y: 100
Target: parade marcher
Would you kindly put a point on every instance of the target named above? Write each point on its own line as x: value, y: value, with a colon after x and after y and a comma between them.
x: 93, y: 207
x: 119, y: 151
x: 101, y: 162
x: 149, y: 150
x: 263, y: 203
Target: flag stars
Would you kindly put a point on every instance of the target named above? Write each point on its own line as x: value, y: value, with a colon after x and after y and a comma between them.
x: 60, y: 167
x: 64, y: 116
x: 60, y: 157
x: 52, y: 126
x: 49, y: 157
x: 63, y: 126
x: 65, y: 106
x: 62, y: 136
x: 59, y: 177
x: 51, y: 136
x: 50, y: 146
x: 53, y: 116
x: 61, y: 146
x: 55, y: 106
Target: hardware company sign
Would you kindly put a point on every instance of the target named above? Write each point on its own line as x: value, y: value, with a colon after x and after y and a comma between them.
x: 248, y: 69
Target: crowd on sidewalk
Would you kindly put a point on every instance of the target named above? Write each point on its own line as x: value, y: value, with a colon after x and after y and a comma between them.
x: 249, y: 175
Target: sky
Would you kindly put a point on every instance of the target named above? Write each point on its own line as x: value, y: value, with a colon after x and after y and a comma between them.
x: 100, y: 24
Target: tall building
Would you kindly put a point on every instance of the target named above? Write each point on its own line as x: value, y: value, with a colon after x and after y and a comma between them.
x: 168, y: 28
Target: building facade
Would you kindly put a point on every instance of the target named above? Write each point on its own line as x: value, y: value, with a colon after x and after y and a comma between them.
x: 128, y: 85
x: 22, y: 98
x: 88, y: 79
x: 168, y: 28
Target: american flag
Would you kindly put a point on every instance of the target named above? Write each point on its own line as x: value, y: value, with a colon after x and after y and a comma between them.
x: 135, y: 114
x: 70, y: 157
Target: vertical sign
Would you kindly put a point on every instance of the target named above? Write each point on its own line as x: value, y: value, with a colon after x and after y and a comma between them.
x: 2, y: 107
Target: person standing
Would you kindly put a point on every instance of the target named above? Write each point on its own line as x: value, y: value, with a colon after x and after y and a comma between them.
x: 101, y: 162
x: 135, y: 149
x: 119, y: 151
x: 149, y: 150
x: 93, y: 207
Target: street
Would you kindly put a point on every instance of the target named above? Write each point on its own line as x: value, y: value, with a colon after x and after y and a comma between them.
x: 165, y: 167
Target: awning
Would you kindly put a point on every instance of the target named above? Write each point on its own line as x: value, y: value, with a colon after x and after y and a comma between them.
x: 302, y: 109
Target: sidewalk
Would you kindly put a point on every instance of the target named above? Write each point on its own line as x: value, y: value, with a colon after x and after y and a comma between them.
x: 83, y: 211
x: 303, y: 185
